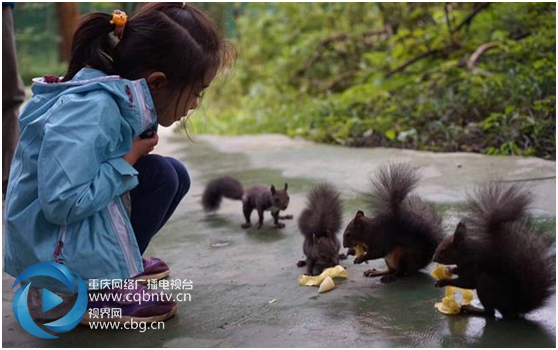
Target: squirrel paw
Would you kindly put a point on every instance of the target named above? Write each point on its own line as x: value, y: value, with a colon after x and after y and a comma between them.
x: 279, y: 225
x: 259, y: 226
x: 286, y: 217
x: 370, y: 273
x: 246, y: 225
x: 301, y: 263
x: 388, y: 279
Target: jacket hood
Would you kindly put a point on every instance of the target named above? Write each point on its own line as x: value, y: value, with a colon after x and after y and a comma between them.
x: 132, y: 96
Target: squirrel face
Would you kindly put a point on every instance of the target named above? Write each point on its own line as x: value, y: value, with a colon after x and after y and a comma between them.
x: 449, y: 250
x: 280, y: 198
x: 354, y: 232
x: 361, y: 230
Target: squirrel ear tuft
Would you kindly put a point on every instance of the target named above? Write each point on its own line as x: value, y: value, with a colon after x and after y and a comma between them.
x: 358, y: 222
x: 273, y: 189
x: 460, y: 233
x: 286, y: 186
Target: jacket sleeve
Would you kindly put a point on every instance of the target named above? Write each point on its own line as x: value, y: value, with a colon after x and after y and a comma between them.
x: 75, y: 180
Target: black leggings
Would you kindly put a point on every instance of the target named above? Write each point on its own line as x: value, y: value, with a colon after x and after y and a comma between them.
x: 163, y: 182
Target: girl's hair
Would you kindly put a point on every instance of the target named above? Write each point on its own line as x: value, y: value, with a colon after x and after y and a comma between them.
x: 174, y: 38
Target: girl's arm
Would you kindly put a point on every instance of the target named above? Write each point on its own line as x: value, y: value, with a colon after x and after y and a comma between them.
x: 75, y: 179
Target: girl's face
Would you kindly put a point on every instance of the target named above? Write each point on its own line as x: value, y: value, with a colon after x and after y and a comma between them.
x: 172, y: 104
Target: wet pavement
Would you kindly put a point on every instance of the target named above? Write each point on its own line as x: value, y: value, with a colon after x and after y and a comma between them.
x: 236, y: 272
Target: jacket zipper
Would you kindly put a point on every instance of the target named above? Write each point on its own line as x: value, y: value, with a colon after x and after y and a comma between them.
x: 145, y: 111
x: 121, y: 231
x: 58, y: 258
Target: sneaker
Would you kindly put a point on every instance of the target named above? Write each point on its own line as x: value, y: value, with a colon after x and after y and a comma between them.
x: 153, y: 310
x: 153, y: 269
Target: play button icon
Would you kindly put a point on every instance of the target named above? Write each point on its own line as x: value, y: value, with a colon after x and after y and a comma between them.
x: 49, y: 300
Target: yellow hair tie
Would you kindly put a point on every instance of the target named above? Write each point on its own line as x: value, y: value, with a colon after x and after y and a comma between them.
x: 119, y: 19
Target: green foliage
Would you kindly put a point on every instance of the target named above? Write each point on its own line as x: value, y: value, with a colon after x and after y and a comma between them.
x: 36, y: 65
x: 37, y: 38
x: 393, y: 74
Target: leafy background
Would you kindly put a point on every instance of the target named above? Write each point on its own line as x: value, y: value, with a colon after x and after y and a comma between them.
x: 472, y: 77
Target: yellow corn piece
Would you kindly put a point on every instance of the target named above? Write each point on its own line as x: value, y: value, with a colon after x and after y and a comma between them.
x: 333, y: 272
x: 466, y: 296
x: 359, y: 251
x: 441, y: 272
x: 449, y: 292
x: 448, y: 305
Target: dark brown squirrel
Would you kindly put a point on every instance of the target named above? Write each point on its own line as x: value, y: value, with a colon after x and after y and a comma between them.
x: 319, y: 223
x: 403, y: 230
x: 261, y: 198
x: 500, y: 253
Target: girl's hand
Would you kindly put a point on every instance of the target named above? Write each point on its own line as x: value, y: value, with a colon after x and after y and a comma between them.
x: 141, y: 147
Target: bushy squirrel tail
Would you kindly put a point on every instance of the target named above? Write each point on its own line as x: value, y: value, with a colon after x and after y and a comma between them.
x: 323, y: 213
x: 391, y: 198
x: 493, y: 204
x: 530, y: 254
x: 391, y: 184
x: 225, y: 186
x: 505, y: 232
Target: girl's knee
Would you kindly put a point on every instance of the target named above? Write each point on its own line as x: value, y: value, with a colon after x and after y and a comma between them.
x: 157, y: 174
x: 182, y: 175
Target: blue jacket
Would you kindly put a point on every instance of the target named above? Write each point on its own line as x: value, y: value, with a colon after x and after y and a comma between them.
x: 63, y: 198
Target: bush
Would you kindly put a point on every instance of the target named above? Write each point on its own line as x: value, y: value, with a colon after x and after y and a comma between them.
x: 396, y: 75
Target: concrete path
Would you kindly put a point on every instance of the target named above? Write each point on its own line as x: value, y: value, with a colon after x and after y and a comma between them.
x: 237, y: 273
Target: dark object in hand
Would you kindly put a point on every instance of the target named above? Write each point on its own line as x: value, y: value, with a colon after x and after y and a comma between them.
x: 147, y: 134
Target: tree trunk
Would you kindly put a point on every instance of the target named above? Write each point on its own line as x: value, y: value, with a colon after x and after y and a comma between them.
x: 68, y: 17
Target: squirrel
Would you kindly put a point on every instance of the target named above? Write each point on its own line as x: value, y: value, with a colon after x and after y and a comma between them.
x: 403, y: 230
x: 261, y: 198
x: 319, y: 223
x: 498, y: 252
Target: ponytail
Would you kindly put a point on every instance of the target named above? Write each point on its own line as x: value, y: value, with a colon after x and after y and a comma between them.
x: 174, y: 38
x: 92, y: 45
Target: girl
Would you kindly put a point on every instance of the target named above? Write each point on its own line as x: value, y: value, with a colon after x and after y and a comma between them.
x: 80, y: 158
